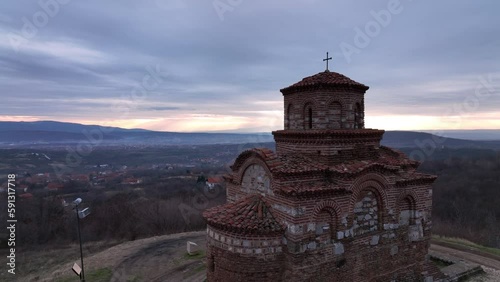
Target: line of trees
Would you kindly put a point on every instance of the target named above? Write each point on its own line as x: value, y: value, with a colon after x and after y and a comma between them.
x: 115, y: 215
x: 466, y: 195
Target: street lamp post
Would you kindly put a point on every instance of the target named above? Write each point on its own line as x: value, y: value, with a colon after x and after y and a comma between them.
x: 77, y: 202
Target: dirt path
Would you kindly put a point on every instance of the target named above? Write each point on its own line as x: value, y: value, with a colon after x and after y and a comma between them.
x: 164, y: 260
x: 475, y: 258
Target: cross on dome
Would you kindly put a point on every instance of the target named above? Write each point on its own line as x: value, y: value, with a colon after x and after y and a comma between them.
x: 327, y: 59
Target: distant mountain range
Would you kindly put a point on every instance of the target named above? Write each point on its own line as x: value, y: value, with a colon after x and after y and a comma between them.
x: 60, y: 133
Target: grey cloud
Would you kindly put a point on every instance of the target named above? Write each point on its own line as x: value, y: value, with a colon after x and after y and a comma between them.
x: 220, y: 66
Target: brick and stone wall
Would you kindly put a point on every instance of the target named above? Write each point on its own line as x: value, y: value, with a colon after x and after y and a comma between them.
x: 240, y: 257
x: 331, y: 109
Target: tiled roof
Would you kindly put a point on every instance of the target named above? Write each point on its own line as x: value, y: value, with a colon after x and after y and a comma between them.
x: 249, y: 215
x: 388, y: 159
x: 305, y: 189
x: 216, y: 179
x: 290, y: 164
x: 326, y: 78
x: 298, y: 163
x: 332, y: 132
x: 266, y: 155
x: 416, y: 178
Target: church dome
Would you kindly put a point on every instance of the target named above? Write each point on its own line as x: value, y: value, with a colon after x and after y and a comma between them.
x: 326, y: 78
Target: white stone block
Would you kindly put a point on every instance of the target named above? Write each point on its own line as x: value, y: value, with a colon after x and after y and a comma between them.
x: 192, y: 248
x: 340, y: 235
x: 338, y: 248
x: 375, y: 240
x: 347, y: 233
x: 311, y: 246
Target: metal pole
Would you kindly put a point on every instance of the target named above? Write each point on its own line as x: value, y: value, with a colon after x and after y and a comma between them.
x: 82, y: 277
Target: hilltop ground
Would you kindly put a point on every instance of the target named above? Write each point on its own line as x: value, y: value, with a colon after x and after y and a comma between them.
x: 163, y: 258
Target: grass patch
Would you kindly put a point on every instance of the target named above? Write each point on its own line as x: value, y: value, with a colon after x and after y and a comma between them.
x: 195, y: 270
x: 199, y: 268
x: 466, y: 243
x: 135, y: 279
x: 199, y: 255
x: 99, y: 275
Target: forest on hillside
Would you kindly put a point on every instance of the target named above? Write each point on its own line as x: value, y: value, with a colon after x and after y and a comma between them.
x: 466, y: 195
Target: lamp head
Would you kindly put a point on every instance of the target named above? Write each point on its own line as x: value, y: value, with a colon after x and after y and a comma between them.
x: 77, y: 201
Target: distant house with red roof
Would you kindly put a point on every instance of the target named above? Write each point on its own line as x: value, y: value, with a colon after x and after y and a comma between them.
x: 131, y: 181
x: 26, y: 196
x: 54, y: 186
x: 213, y: 181
x: 80, y: 177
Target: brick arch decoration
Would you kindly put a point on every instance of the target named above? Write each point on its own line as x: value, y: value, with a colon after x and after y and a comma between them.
x: 265, y: 155
x: 406, y: 195
x: 250, y: 161
x: 331, y: 115
x: 412, y: 197
x: 304, y: 114
x: 337, y: 100
x: 372, y: 182
x: 330, y: 206
x: 259, y: 156
x: 378, y: 191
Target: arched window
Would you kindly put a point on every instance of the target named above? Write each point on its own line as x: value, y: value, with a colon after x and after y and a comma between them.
x: 289, y: 116
x: 335, y: 115
x: 326, y: 225
x: 310, y: 113
x: 308, y: 116
x: 358, y: 116
x: 367, y: 210
x: 407, y: 211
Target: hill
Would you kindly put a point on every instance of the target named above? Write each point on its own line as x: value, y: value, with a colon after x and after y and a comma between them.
x: 57, y: 133
x: 61, y: 133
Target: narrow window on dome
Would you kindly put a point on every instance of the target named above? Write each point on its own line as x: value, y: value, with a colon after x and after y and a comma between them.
x: 289, y: 117
x: 310, y: 118
x: 358, y: 116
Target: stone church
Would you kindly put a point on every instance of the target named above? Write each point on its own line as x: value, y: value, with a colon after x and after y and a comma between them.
x: 331, y: 204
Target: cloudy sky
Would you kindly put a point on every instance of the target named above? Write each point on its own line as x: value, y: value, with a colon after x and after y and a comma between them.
x: 211, y: 65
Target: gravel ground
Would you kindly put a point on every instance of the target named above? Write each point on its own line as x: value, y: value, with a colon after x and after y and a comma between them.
x: 491, y: 275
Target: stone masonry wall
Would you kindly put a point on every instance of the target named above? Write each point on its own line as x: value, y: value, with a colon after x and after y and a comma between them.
x: 239, y: 257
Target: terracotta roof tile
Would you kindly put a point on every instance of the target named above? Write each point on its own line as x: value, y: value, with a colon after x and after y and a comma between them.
x: 326, y: 78
x: 298, y: 163
x: 415, y: 178
x: 249, y: 215
x: 304, y: 189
